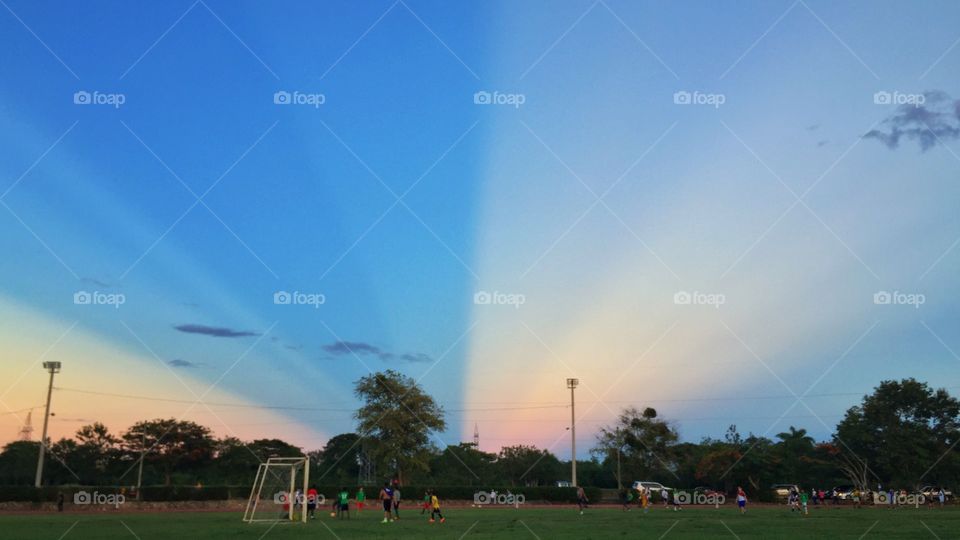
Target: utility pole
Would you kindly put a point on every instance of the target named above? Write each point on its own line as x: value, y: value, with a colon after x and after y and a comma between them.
x: 52, y: 367
x: 572, y: 385
x: 143, y: 454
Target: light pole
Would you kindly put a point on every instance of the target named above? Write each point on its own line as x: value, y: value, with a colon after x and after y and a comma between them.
x: 53, y: 368
x: 572, y: 385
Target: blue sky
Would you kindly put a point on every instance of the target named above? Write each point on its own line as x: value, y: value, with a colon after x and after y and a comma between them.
x: 492, y: 198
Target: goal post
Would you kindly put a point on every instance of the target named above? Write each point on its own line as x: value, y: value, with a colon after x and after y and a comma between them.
x: 279, y: 491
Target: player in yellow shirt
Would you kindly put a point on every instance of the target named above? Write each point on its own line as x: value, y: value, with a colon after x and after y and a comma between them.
x: 435, y: 508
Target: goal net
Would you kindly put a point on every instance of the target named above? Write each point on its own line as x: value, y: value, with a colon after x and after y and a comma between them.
x: 279, y: 492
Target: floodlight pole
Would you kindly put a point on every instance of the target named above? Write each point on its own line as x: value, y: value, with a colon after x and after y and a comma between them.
x: 572, y: 385
x: 52, y: 367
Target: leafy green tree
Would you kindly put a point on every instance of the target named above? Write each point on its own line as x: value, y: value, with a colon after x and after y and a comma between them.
x: 464, y: 465
x: 340, y: 459
x: 171, y: 445
x: 18, y: 462
x: 528, y: 466
x: 901, y: 435
x: 646, y: 444
x: 398, y: 416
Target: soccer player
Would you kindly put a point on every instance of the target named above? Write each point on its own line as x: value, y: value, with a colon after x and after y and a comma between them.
x: 426, y: 502
x: 626, y: 497
x: 644, y: 499
x: 386, y: 497
x: 435, y: 508
x: 581, y: 499
x: 396, y: 502
x: 676, y: 502
x: 361, y: 497
x: 803, y: 502
x: 312, y: 502
x: 343, y: 503
x: 742, y: 500
x: 665, y: 497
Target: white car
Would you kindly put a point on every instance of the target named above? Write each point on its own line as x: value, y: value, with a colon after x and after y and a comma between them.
x: 653, y: 487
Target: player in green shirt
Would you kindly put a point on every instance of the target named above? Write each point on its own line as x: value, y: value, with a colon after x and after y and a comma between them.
x: 343, y: 503
x: 361, y: 497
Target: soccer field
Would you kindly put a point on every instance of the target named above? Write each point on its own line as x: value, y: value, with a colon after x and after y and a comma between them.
x: 505, y: 523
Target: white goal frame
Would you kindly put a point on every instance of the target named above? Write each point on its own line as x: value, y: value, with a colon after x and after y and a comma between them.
x: 292, y: 464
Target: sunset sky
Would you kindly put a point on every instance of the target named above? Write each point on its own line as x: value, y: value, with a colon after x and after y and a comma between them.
x: 199, y: 160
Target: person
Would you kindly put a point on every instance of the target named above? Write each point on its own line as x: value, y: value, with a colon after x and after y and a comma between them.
x: 792, y: 500
x: 60, y: 499
x: 665, y: 497
x: 626, y: 496
x: 676, y: 501
x: 742, y: 500
x: 941, y: 497
x: 285, y: 497
x: 813, y: 495
x: 644, y: 499
x: 435, y: 508
x: 856, y: 497
x: 361, y: 498
x: 426, y: 502
x: 581, y: 499
x: 312, y: 502
x: 803, y: 502
x: 396, y: 502
x: 386, y: 497
x: 343, y: 503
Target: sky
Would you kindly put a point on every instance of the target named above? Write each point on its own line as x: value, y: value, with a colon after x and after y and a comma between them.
x: 228, y: 212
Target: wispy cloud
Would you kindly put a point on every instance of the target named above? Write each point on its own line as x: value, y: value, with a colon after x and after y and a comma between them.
x: 178, y: 362
x: 341, y: 348
x: 935, y: 120
x: 214, y: 331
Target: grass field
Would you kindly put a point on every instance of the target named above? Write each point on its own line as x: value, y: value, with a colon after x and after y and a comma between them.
x: 505, y: 523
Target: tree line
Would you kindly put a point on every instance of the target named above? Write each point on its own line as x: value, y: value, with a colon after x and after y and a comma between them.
x: 902, y: 435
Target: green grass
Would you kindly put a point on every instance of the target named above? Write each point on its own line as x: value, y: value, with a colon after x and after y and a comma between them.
x: 489, y: 523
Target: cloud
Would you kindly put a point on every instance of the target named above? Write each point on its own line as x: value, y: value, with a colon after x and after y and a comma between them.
x: 177, y: 362
x: 213, y: 331
x: 359, y: 348
x: 936, y: 120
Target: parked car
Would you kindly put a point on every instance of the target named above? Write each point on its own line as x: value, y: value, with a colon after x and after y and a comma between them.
x: 653, y: 487
x: 845, y: 493
x: 931, y: 493
x: 782, y: 491
x: 564, y: 483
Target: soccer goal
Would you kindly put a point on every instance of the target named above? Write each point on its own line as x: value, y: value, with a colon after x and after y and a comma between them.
x: 279, y: 492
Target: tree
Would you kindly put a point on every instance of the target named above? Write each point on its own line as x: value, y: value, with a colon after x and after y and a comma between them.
x: 171, y: 444
x: 528, y: 465
x: 901, y: 435
x: 646, y: 444
x: 464, y: 465
x: 398, y: 416
x: 340, y: 459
